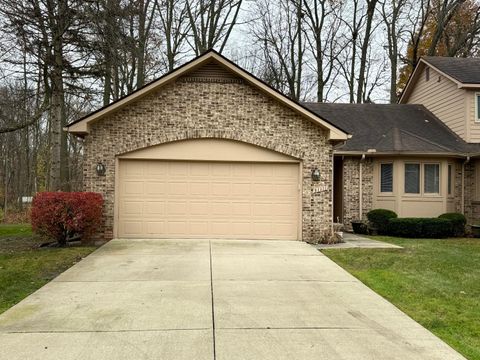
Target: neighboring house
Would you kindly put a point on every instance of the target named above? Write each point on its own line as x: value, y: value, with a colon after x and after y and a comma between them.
x: 210, y: 151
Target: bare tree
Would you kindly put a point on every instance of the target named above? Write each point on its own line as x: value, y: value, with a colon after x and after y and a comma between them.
x: 322, y: 26
x: 174, y: 26
x: 211, y: 23
x: 369, y: 15
x: 392, y: 14
x: 280, y: 36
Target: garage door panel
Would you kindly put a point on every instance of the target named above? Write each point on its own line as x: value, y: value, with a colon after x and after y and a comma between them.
x: 262, y: 228
x: 200, y: 228
x: 133, y: 169
x: 285, y: 190
x: 133, y: 188
x: 177, y: 188
x: 178, y: 168
x: 221, y: 170
x: 152, y: 169
x: 242, y: 171
x: 220, y: 228
x: 155, y: 188
x: 133, y: 227
x: 155, y: 227
x: 199, y: 170
x: 220, y: 188
x: 208, y: 199
x: 241, y: 189
x: 177, y: 228
x: 243, y: 209
x: 154, y: 208
x: 132, y: 208
x: 199, y: 207
x: 221, y: 208
x: 199, y: 188
x: 282, y: 229
x: 177, y: 207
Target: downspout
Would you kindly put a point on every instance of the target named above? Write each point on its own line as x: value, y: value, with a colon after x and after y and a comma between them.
x: 467, y: 160
x: 360, y: 190
x: 332, y: 196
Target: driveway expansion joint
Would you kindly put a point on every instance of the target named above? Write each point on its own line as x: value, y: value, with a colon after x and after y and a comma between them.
x: 213, y: 301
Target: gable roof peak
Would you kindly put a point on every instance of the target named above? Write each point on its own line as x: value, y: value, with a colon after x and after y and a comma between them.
x: 80, y: 127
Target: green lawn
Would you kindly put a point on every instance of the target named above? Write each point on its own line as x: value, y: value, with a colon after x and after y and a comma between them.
x: 436, y: 282
x: 24, y: 267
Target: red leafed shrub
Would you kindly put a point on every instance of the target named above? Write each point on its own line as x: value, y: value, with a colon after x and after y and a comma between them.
x: 63, y: 215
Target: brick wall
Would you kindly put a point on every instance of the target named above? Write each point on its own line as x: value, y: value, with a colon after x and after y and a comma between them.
x: 228, y: 109
x: 351, y: 189
x: 472, y: 205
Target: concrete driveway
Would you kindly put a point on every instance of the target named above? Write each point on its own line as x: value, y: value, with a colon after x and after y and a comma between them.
x: 201, y: 299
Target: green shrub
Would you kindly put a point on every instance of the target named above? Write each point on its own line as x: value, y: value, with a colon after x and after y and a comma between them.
x: 405, y: 227
x: 420, y: 227
x: 458, y: 223
x: 379, y: 219
x: 436, y: 228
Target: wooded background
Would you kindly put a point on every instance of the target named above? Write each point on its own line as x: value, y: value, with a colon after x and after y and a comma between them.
x: 61, y: 59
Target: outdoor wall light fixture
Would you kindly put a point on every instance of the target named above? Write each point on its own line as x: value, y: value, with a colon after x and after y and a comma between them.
x: 316, y: 174
x: 101, y: 169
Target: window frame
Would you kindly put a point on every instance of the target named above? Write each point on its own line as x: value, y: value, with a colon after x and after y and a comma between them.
x: 419, y: 193
x: 477, y: 109
x: 450, y: 179
x: 421, y: 181
x: 424, y: 178
x: 427, y: 74
x: 380, y: 176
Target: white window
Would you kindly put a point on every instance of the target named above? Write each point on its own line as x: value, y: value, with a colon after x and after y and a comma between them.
x: 412, y: 178
x: 477, y: 107
x: 386, y: 178
x: 431, y: 183
x: 450, y: 179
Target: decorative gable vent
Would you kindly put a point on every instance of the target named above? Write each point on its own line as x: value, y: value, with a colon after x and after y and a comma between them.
x: 211, y: 72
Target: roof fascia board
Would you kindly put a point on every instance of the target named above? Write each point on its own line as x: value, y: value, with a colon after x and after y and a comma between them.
x: 396, y: 153
x: 469, y: 86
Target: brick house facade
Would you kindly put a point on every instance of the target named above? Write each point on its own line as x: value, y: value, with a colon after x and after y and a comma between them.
x: 213, y: 103
x: 212, y: 98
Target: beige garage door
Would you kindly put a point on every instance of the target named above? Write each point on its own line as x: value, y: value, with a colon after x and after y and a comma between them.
x: 188, y: 199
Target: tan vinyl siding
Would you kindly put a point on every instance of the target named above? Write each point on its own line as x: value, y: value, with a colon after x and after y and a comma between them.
x: 443, y: 98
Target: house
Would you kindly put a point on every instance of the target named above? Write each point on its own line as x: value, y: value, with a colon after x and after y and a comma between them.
x: 210, y: 151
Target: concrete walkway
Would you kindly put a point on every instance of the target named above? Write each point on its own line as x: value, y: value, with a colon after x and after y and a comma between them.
x: 358, y: 241
x: 201, y: 299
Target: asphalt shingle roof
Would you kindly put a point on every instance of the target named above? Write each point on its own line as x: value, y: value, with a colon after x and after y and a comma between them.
x: 464, y: 70
x: 393, y: 128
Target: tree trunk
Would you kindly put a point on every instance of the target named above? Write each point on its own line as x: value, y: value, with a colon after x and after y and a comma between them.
x: 366, y: 43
